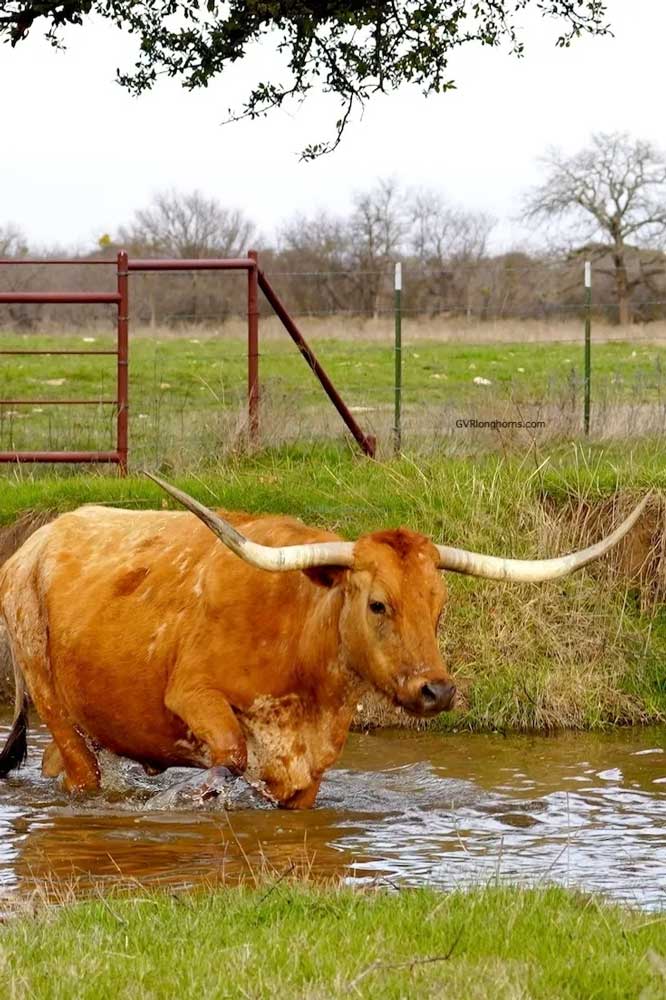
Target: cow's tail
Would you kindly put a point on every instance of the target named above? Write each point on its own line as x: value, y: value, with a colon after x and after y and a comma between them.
x: 15, y: 750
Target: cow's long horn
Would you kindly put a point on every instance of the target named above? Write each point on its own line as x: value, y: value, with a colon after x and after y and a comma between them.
x: 285, y: 557
x: 533, y: 570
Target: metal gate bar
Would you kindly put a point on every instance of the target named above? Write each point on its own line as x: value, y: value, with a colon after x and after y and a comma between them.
x: 367, y: 442
x: 119, y: 299
x: 248, y: 264
x: 107, y: 457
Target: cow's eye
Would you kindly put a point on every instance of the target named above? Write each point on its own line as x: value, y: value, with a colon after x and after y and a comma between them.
x: 377, y: 608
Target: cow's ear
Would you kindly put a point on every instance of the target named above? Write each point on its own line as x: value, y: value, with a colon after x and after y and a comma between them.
x: 326, y: 576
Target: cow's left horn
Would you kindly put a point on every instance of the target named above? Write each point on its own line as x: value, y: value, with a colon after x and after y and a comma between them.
x: 285, y: 557
x: 533, y: 570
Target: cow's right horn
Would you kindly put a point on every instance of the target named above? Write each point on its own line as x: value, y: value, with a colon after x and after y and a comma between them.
x: 285, y: 557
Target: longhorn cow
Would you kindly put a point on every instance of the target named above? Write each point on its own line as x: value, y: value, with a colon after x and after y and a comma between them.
x: 142, y: 633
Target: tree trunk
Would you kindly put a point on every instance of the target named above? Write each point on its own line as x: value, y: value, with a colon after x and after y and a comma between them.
x: 621, y: 288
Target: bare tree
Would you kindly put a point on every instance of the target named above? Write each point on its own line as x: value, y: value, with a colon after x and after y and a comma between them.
x: 378, y: 228
x: 442, y: 232
x: 352, y: 254
x: 14, y: 244
x: 612, y: 193
x: 189, y: 225
x: 448, y: 243
x: 12, y: 241
x: 318, y: 247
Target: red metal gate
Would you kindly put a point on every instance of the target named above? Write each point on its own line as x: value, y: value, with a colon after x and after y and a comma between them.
x: 256, y: 280
x: 248, y: 264
x: 119, y: 299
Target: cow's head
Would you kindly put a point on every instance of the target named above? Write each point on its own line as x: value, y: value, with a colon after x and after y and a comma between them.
x: 393, y: 595
x: 393, y: 598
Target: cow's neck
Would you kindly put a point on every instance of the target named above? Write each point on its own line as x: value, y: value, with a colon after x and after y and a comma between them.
x: 322, y: 664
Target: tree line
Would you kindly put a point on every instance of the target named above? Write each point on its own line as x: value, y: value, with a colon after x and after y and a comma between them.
x: 606, y: 203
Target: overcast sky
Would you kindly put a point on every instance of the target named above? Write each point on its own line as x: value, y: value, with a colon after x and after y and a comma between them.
x: 79, y: 154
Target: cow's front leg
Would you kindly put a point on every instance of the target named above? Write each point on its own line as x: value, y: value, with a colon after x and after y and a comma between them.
x: 211, y: 720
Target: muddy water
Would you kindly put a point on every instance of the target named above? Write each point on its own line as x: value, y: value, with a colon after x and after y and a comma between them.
x: 415, y: 809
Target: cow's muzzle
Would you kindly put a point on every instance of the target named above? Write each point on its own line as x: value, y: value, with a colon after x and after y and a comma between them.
x: 432, y: 698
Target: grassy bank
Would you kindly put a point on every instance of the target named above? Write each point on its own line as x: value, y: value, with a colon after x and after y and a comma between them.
x: 290, y: 941
x: 584, y: 652
x: 188, y: 392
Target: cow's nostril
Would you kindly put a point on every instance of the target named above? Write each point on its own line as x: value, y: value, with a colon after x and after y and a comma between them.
x: 428, y: 694
x: 437, y: 696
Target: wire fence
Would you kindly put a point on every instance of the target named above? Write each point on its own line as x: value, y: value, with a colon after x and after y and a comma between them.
x: 468, y: 381
x: 513, y: 286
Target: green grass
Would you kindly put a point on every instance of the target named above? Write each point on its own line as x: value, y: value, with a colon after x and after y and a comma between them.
x: 586, y: 652
x: 204, y: 370
x: 188, y: 392
x: 335, y: 487
x: 291, y: 941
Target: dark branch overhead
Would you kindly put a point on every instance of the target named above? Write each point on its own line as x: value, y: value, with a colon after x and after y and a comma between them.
x: 351, y: 50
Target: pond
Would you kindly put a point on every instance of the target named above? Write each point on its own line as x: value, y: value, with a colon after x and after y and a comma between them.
x: 400, y: 808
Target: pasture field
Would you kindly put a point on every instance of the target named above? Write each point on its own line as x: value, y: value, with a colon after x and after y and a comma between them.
x: 585, y: 652
x: 285, y: 940
x: 187, y: 392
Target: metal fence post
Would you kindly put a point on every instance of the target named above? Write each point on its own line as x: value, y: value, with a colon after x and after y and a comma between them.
x: 588, y: 346
x: 123, y: 361
x: 253, y: 348
x: 397, y: 427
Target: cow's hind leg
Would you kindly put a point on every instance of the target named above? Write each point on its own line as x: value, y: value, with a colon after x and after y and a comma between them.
x: 81, y: 767
x: 52, y: 763
x: 68, y: 751
x: 28, y: 631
